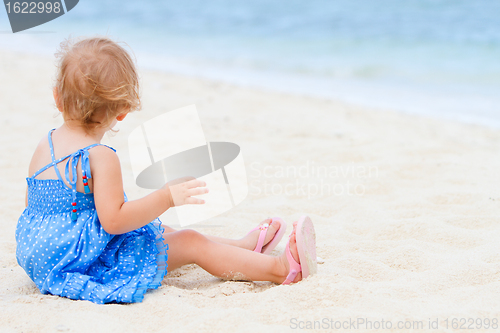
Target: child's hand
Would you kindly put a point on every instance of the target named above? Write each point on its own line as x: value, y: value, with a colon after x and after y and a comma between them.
x: 183, y: 189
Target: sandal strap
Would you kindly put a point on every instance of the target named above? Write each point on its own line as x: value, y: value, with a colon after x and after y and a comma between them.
x: 295, y: 267
x: 262, y: 236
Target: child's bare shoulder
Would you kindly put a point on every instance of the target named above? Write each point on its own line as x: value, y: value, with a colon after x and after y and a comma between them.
x: 103, y: 159
x: 41, y: 155
x: 103, y: 153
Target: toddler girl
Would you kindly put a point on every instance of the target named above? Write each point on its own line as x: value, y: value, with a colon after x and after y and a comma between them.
x: 79, y: 237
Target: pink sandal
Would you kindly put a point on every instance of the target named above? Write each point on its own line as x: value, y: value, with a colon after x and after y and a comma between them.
x: 276, y: 239
x: 306, y: 247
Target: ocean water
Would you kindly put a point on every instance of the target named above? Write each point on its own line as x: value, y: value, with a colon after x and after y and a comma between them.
x: 439, y: 58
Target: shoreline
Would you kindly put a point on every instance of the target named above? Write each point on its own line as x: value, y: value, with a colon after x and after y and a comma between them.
x: 360, y: 94
x: 421, y: 239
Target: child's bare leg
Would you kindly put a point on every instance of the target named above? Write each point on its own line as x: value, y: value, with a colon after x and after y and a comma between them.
x: 248, y: 241
x: 225, y: 261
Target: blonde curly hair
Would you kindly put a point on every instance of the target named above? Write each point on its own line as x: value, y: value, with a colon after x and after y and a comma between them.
x: 96, y: 81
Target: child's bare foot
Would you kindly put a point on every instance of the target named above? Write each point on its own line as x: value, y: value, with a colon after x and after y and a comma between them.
x: 285, y: 266
x: 250, y: 241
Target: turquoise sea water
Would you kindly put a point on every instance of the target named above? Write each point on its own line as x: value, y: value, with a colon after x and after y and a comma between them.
x: 433, y: 57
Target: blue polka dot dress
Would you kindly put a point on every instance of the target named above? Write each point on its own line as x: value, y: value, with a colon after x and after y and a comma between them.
x: 68, y: 253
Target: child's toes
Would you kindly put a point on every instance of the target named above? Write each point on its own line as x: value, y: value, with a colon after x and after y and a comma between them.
x: 274, y: 226
x: 293, y: 247
x: 294, y: 230
x: 295, y: 255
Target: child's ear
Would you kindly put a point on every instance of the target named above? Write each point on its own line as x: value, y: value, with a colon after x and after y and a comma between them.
x: 120, y: 117
x: 56, y: 99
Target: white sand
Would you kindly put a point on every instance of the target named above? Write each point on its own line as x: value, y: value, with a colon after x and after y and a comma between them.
x: 418, y: 242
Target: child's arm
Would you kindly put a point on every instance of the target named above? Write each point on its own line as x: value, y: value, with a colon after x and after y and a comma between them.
x: 117, y: 216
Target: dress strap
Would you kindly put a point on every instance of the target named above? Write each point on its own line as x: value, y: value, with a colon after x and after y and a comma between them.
x: 54, y: 163
x: 48, y: 166
x: 86, y: 174
x: 82, y: 153
x: 51, y: 145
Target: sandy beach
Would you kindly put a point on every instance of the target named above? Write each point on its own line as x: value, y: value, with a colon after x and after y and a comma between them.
x: 406, y: 211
